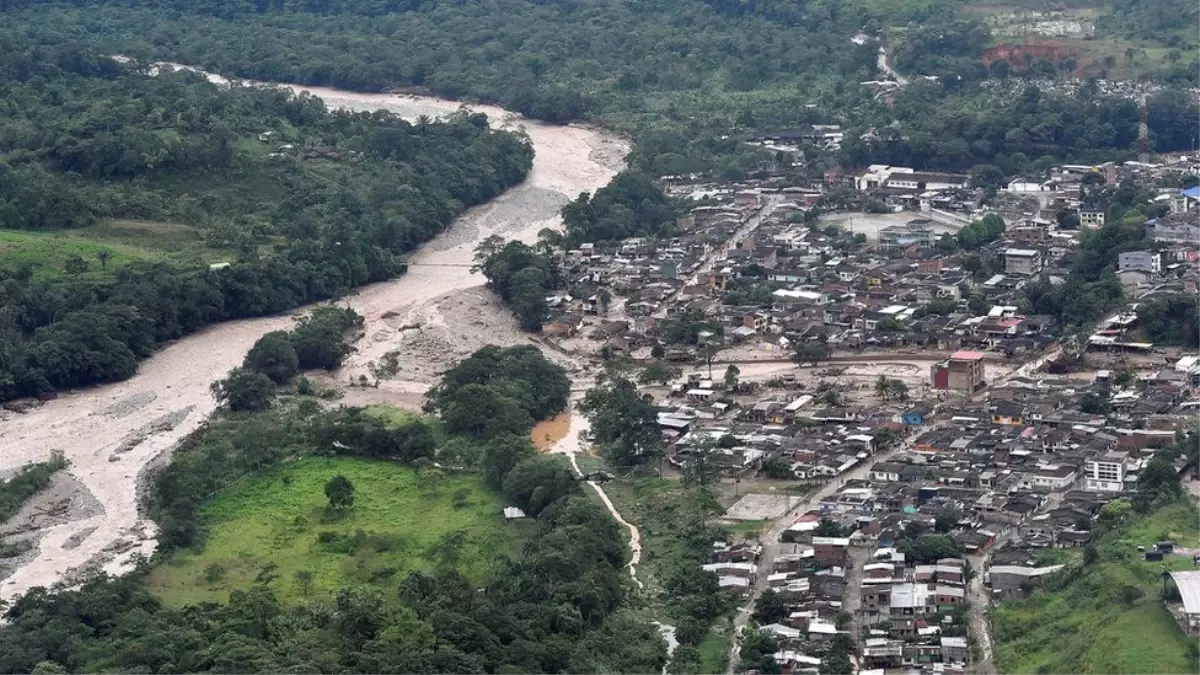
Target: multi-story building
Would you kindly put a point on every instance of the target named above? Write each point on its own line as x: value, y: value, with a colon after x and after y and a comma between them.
x: 918, y: 231
x: 1023, y: 261
x: 963, y: 371
x: 1106, y: 473
x: 1142, y: 261
x: 1091, y: 219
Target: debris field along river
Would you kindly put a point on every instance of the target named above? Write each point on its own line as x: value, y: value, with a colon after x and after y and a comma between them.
x: 431, y: 316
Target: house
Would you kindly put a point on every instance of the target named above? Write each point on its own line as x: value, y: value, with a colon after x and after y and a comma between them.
x: 562, y: 326
x: 830, y: 550
x: 954, y: 649
x: 1008, y: 413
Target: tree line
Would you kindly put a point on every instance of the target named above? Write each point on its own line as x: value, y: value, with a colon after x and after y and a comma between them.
x: 521, y: 275
x: 317, y: 341
x: 361, y: 190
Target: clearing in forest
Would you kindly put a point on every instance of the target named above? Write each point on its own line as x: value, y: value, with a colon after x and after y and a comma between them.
x: 105, y: 248
x: 276, y: 528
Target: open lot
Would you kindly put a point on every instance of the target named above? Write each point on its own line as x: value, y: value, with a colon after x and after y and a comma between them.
x: 871, y: 223
x: 272, y: 526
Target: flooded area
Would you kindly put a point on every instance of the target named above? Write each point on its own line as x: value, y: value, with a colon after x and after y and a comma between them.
x: 547, y: 433
x: 435, y: 314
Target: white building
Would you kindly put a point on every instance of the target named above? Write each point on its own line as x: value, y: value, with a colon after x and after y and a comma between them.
x: 1144, y: 261
x: 1091, y: 219
x: 1106, y: 473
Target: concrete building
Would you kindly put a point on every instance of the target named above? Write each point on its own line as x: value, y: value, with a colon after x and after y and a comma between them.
x: 1090, y: 220
x: 1174, y: 231
x: 1106, y: 473
x: 1023, y: 261
x: 1142, y: 261
x: 963, y: 371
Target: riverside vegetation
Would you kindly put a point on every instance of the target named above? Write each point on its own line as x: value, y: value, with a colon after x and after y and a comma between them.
x: 331, y: 201
x: 417, y: 599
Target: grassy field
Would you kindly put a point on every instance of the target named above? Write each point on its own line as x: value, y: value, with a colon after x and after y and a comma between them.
x: 662, y: 509
x: 714, y: 650
x: 126, y: 241
x: 653, y: 504
x: 1110, y: 619
x: 272, y: 526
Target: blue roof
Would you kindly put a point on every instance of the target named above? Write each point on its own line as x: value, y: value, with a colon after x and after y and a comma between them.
x: 1192, y: 192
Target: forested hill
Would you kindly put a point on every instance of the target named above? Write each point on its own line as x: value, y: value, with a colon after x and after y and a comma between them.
x: 304, y: 203
x: 550, y: 59
x: 687, y: 78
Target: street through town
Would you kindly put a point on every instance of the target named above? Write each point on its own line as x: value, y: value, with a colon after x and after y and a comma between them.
x: 770, y: 544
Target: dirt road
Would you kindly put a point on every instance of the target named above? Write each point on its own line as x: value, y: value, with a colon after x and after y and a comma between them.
x: 433, y: 315
x: 770, y: 544
x: 977, y: 596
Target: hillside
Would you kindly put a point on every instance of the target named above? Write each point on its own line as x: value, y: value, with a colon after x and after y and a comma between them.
x: 1105, y: 616
x: 403, y: 521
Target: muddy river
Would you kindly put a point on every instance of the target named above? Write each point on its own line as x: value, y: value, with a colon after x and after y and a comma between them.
x: 436, y: 313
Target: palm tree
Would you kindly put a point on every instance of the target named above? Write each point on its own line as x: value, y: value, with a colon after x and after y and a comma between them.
x: 883, y: 388
x: 104, y: 255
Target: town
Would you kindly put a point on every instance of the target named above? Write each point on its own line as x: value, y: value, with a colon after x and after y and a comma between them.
x: 930, y: 359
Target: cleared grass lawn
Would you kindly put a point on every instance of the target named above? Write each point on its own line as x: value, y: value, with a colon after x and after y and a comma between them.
x: 126, y: 240
x: 1112, y: 618
x: 267, y: 527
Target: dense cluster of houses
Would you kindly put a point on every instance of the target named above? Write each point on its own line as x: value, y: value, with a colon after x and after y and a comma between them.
x: 1005, y: 472
x: 758, y: 270
x: 1007, y: 477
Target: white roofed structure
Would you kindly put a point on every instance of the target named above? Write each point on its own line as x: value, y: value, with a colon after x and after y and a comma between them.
x: 1188, y: 583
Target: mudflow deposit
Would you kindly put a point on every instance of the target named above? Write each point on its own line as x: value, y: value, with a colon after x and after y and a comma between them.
x: 435, y: 314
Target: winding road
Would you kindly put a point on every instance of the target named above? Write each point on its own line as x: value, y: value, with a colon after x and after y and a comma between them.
x: 112, y: 434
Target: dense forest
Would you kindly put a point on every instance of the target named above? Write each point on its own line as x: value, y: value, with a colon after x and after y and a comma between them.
x: 688, y: 79
x: 304, y: 204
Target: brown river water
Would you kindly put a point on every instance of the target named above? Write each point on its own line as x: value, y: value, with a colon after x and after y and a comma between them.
x: 112, y: 433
